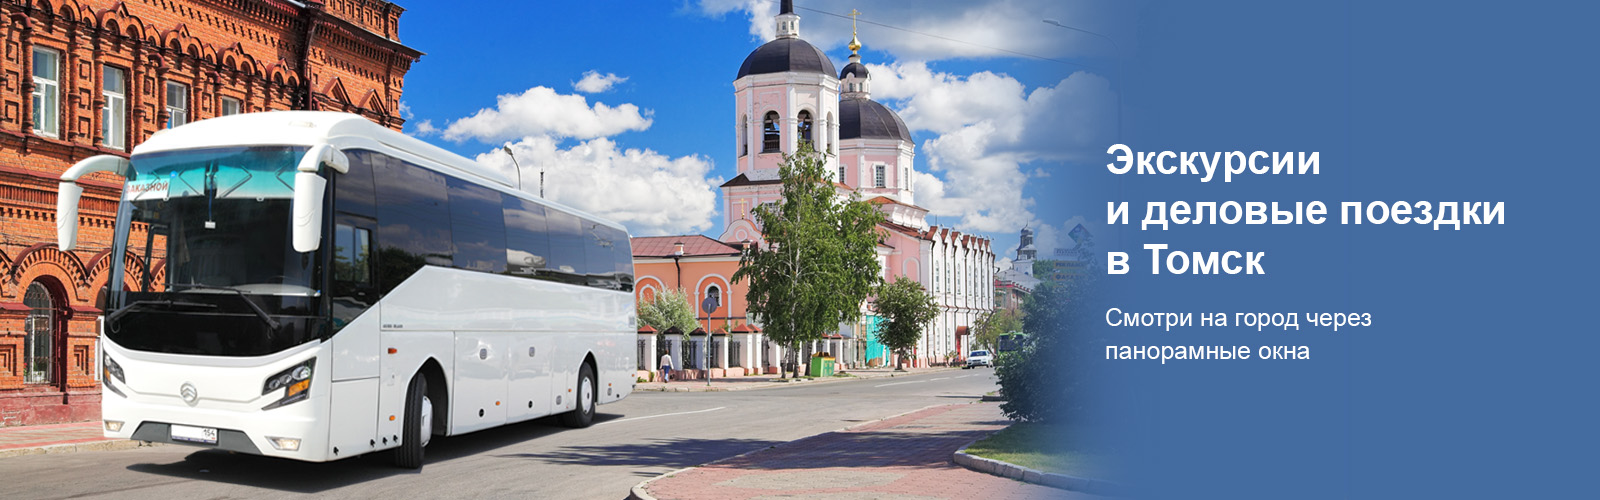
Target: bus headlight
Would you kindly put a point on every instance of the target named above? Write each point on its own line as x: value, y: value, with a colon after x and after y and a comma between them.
x: 296, y: 381
x: 112, y: 370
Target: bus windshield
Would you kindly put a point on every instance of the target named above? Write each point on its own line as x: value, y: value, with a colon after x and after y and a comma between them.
x: 213, y: 225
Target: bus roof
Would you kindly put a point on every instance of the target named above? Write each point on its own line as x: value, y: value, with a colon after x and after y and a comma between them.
x: 307, y: 128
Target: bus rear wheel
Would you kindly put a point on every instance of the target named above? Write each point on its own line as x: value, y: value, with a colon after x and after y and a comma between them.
x: 418, y: 425
x: 583, y: 415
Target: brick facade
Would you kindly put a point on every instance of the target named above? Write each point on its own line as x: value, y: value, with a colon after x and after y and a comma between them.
x: 337, y: 55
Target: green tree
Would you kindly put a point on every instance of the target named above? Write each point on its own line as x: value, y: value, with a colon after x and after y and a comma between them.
x: 819, y: 260
x: 906, y: 308
x: 668, y: 309
x: 1046, y: 380
x: 999, y: 321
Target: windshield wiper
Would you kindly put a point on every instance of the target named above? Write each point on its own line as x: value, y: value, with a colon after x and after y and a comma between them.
x: 272, y: 324
x: 119, y: 313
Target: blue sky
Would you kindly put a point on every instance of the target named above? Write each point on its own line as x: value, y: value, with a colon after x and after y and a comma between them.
x: 998, y: 135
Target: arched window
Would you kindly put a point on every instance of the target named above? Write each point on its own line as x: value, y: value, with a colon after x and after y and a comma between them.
x: 714, y: 295
x: 744, y: 135
x: 803, y: 128
x: 769, y: 133
x: 40, y: 328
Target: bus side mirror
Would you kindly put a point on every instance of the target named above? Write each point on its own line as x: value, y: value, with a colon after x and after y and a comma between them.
x: 69, y: 193
x: 309, y: 189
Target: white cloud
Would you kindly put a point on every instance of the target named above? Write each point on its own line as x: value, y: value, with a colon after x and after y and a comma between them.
x: 650, y: 193
x: 404, y: 110
x: 541, y: 111
x: 594, y: 83
x: 989, y: 28
x: 993, y: 135
x: 425, y: 127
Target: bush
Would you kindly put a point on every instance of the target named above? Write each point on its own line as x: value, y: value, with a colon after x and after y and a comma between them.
x: 1039, y: 381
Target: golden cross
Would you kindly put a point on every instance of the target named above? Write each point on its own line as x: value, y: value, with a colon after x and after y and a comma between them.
x: 853, y: 14
x: 742, y: 202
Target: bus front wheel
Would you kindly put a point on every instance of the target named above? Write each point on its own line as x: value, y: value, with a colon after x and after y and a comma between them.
x: 418, y: 425
x: 583, y: 415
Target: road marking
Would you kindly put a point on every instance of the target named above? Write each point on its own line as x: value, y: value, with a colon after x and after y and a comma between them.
x: 661, y: 415
x: 899, y: 383
x: 940, y: 378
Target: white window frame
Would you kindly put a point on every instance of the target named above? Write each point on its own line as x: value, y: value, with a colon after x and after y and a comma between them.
x: 879, y: 174
x: 47, y: 94
x: 177, y: 114
x: 114, y: 116
x: 226, y: 102
x: 841, y: 173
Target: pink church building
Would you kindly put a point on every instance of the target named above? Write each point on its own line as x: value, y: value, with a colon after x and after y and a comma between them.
x: 786, y: 93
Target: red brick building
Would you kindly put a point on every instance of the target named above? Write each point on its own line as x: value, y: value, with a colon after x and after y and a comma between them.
x: 86, y: 77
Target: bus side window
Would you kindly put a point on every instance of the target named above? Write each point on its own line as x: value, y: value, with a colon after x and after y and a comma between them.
x: 352, y: 280
x: 352, y: 255
x: 352, y: 273
x: 622, y: 259
x: 477, y: 227
x: 413, y: 220
x: 527, y: 237
x: 599, y: 241
x: 568, y: 264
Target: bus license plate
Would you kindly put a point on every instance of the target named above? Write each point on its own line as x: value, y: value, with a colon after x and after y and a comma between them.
x: 205, y: 435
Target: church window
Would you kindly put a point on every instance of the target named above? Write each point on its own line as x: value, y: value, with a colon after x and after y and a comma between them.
x: 803, y: 129
x: 877, y: 176
x: 841, y: 174
x: 744, y: 135
x: 769, y: 133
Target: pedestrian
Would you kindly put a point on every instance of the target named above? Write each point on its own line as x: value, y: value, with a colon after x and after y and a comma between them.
x: 666, y: 367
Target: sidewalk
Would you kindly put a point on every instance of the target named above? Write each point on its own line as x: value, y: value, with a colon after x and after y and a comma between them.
x: 765, y: 381
x: 902, y: 458
x: 57, y: 438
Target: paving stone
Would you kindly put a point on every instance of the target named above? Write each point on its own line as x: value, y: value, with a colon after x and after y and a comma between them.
x: 902, y: 458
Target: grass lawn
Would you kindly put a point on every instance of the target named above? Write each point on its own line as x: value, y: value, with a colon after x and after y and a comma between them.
x: 1041, y: 447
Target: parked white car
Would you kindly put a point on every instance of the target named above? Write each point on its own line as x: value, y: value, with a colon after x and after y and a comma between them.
x: 979, y: 358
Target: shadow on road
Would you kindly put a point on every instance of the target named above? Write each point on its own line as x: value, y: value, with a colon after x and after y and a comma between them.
x: 671, y: 453
x: 307, y: 477
x: 906, y: 446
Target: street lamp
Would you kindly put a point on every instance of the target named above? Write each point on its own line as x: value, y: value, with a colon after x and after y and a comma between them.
x: 514, y: 163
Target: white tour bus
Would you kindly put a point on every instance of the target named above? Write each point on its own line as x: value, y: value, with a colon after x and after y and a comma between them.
x: 311, y: 285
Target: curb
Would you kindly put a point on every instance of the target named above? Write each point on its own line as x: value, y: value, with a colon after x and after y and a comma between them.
x: 104, y: 445
x: 1027, y: 475
x: 772, y: 385
x: 639, y: 491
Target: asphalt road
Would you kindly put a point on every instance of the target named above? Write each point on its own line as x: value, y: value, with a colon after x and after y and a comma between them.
x: 642, y: 436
